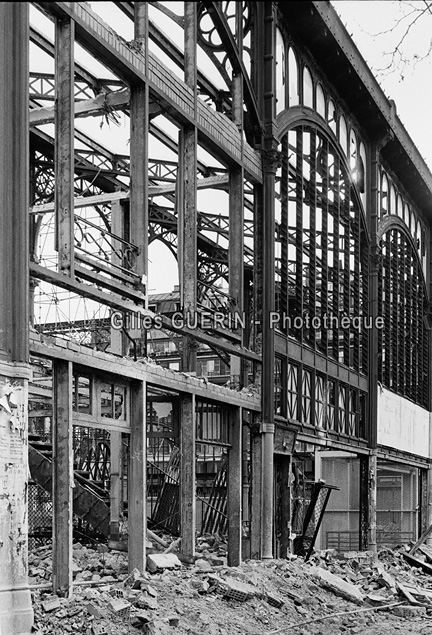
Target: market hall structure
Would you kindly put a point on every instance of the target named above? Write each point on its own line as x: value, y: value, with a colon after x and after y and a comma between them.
x: 259, y: 151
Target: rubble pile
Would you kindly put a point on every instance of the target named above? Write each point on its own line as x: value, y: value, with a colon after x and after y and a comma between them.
x: 350, y: 593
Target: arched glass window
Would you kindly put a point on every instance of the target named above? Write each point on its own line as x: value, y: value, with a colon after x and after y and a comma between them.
x: 403, y: 342
x: 343, y: 134
x: 293, y: 78
x: 353, y: 154
x: 307, y: 88
x: 280, y: 72
x: 384, y: 195
x: 331, y: 116
x: 412, y: 221
x: 325, y: 270
x: 320, y: 101
x: 392, y: 205
x: 399, y: 206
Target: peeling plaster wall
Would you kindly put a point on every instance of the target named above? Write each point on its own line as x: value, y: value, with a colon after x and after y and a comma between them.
x: 402, y: 424
x: 15, y: 614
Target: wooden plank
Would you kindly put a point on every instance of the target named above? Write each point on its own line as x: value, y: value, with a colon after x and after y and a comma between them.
x: 406, y: 593
x: 62, y: 478
x: 421, y: 540
x: 415, y: 562
x: 64, y: 143
x: 187, y: 474
x: 235, y: 489
x: 137, y: 502
x: 426, y: 551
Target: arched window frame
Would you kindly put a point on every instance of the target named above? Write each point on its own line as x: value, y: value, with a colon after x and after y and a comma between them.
x: 342, y: 236
x: 403, y: 342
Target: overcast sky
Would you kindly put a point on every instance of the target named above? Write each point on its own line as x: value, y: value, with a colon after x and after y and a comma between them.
x: 377, y: 27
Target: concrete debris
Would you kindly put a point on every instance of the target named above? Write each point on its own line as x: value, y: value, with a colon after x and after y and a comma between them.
x: 157, y: 561
x: 51, y: 605
x: 337, y: 585
x: 117, y: 605
x: 206, y: 596
x: 409, y: 611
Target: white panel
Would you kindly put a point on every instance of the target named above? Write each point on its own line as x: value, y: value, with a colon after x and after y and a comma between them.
x: 402, y: 424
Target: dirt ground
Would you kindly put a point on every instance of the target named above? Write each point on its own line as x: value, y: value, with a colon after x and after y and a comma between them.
x: 258, y: 597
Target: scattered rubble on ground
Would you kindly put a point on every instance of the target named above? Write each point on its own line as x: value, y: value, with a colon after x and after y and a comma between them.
x: 348, y: 593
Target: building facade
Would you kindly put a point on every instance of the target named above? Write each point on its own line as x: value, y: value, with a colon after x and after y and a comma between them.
x: 246, y: 148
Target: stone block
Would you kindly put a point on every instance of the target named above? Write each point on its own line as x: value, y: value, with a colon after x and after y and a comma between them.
x: 409, y: 611
x: 157, y: 561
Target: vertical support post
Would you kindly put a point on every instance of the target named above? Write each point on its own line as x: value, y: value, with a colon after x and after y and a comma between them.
x: 117, y: 336
x: 115, y: 484
x: 372, y: 423
x: 139, y: 128
x: 118, y: 348
x: 137, y: 492
x: 255, y: 436
x: 236, y: 204
x: 186, y: 192
x: 270, y: 161
x: 364, y: 503
x: 285, y: 506
x: 373, y: 478
x: 236, y: 255
x: 189, y: 218
x: 246, y: 488
x: 235, y: 489
x: 187, y: 474
x: 372, y: 427
x: 429, y: 496
x: 423, y: 500
x: 16, y: 614
x: 62, y: 478
x: 64, y: 143
x: 256, y: 487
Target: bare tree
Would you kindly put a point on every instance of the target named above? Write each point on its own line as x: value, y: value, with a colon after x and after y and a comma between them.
x: 414, y: 38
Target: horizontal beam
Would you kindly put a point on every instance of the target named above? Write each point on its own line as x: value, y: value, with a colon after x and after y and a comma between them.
x: 221, y: 181
x: 98, y: 199
x: 84, y: 108
x: 99, y: 105
x: 154, y: 190
x: 55, y: 348
x: 121, y: 304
